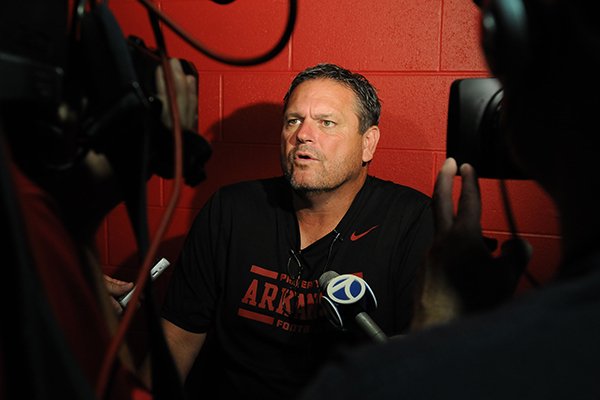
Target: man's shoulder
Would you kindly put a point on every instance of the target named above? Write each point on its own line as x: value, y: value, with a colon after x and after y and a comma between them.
x: 270, y: 189
x: 253, y: 185
x: 251, y: 200
x: 385, y: 187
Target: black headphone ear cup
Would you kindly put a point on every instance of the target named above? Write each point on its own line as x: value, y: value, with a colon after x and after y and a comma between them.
x: 107, y: 56
x: 506, y: 39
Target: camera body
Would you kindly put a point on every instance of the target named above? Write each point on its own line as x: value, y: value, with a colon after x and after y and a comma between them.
x: 196, y: 150
x: 122, y: 112
x: 475, y: 132
x: 107, y: 84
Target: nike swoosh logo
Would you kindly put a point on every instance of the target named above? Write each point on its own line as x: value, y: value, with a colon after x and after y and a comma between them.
x: 355, y: 236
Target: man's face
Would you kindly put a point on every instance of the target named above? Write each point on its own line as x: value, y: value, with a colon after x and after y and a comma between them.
x: 321, y: 144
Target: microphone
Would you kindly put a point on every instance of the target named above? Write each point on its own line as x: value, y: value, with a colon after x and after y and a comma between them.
x: 346, y: 296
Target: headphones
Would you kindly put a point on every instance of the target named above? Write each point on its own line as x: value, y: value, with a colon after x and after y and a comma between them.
x: 523, y: 38
x: 507, y: 37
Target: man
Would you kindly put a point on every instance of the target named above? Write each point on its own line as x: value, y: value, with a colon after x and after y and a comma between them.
x: 245, y: 290
x: 542, y: 345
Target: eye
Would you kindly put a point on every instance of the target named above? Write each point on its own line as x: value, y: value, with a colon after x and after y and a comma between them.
x: 292, y: 121
x: 328, y: 124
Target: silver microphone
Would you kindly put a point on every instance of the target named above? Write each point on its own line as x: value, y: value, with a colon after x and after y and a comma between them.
x: 348, y: 295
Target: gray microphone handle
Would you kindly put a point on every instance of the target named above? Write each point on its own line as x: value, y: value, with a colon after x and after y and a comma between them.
x: 369, y: 326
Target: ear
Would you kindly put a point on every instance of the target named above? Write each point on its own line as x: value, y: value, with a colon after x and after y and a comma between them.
x: 370, y: 139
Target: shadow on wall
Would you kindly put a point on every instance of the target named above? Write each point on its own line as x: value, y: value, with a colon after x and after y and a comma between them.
x: 245, y: 146
x: 258, y: 123
x: 231, y: 161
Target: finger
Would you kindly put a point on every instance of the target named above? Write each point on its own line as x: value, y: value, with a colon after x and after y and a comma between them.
x: 115, y: 281
x: 179, y: 79
x: 185, y: 92
x: 190, y: 118
x: 117, y: 287
x: 176, y: 66
x: 469, y: 203
x: 177, y: 75
x: 160, y: 82
x: 116, y: 306
x: 161, y: 89
x: 442, y: 196
x: 192, y: 91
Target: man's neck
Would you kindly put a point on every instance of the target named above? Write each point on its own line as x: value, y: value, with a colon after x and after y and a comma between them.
x: 319, y: 213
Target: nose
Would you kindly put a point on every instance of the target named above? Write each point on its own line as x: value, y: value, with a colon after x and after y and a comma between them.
x: 305, y: 132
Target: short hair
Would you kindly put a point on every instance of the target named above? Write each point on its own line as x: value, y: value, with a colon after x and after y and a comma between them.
x: 369, y: 105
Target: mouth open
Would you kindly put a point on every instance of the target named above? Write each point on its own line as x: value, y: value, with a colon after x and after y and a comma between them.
x: 304, y: 156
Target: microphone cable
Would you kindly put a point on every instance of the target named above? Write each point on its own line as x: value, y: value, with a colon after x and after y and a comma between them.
x: 149, y: 256
x: 268, y: 55
x: 513, y: 227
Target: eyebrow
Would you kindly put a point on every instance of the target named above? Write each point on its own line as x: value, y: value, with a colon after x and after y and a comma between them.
x: 324, y: 116
x: 317, y: 116
x: 293, y: 114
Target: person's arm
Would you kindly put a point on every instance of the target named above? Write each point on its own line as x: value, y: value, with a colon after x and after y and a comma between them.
x: 184, y: 346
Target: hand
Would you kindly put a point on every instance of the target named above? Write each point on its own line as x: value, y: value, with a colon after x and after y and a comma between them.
x: 186, y: 94
x: 116, y: 289
x: 460, y: 274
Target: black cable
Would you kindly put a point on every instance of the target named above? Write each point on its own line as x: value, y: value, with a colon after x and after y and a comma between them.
x: 512, y: 225
x: 270, y: 54
x: 166, y: 383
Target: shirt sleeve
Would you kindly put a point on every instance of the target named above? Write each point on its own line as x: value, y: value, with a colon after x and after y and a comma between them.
x: 192, y: 293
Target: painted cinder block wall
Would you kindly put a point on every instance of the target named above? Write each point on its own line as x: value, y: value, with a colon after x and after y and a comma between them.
x: 411, y: 50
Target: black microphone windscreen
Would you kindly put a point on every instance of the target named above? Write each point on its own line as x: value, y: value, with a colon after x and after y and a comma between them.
x: 326, y: 277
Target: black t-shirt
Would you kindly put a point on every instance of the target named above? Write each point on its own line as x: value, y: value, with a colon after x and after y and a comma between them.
x: 542, y: 346
x: 235, y: 280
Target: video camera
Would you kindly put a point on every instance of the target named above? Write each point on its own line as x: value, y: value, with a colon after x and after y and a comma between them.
x: 122, y: 101
x: 108, y: 82
x: 475, y: 132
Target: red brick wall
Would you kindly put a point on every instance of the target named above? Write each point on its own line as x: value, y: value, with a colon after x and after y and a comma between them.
x: 410, y: 50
